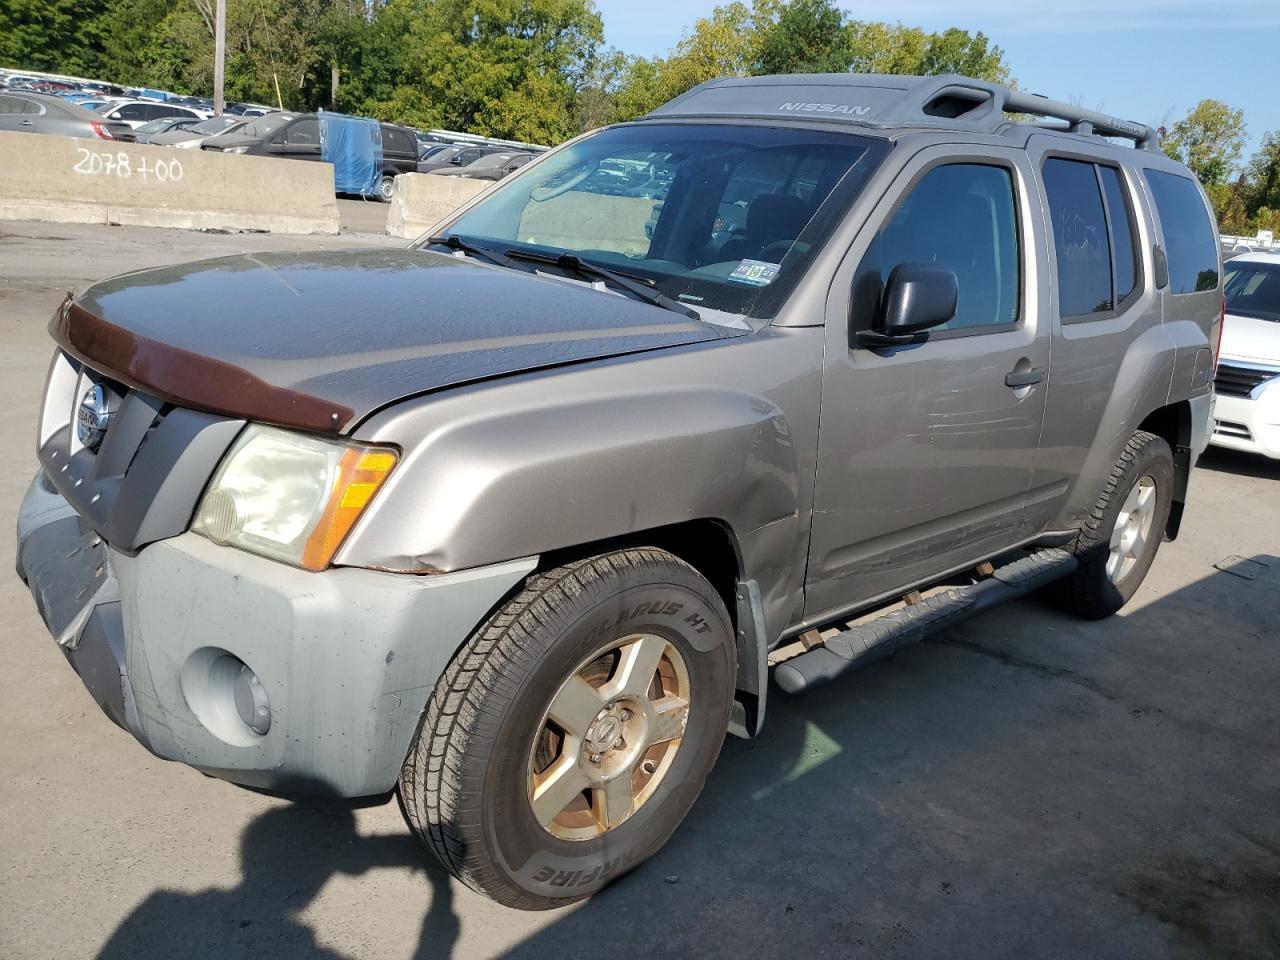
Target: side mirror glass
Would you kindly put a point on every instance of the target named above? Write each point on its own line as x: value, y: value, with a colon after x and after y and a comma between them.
x: 917, y: 297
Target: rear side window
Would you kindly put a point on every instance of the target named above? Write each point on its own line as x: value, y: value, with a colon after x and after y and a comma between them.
x: 1079, y: 237
x: 1189, y: 242
x: 10, y: 104
x: 303, y: 132
x: 961, y: 216
x: 397, y: 141
x: 1093, y: 236
x: 133, y: 111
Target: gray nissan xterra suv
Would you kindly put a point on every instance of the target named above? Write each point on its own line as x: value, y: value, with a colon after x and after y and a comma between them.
x: 787, y: 373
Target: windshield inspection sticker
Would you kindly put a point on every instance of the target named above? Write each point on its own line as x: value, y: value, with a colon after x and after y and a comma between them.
x: 755, y: 273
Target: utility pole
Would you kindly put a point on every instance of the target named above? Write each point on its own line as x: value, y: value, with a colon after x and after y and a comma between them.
x: 219, y: 56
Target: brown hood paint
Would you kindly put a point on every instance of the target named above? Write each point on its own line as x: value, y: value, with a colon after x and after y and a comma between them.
x: 319, y: 341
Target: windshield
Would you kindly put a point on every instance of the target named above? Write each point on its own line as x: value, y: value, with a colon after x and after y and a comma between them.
x: 156, y: 126
x: 213, y: 125
x: 1253, y: 290
x: 265, y: 126
x: 490, y: 160
x: 720, y: 216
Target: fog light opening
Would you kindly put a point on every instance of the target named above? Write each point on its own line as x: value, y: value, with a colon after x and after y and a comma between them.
x: 226, y: 696
x: 251, y: 701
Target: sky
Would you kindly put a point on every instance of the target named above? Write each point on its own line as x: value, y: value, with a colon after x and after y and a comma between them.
x: 1145, y: 60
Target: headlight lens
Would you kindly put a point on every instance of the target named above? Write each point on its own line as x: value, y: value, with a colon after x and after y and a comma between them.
x: 290, y: 496
x: 235, y: 150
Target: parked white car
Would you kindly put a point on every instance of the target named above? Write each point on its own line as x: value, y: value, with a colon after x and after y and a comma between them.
x: 1246, y: 411
x: 137, y: 112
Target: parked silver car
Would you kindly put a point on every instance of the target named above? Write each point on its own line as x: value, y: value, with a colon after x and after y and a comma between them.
x: 516, y: 521
x: 25, y: 112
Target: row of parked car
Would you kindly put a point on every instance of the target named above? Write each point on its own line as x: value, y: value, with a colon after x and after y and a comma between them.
x: 94, y: 109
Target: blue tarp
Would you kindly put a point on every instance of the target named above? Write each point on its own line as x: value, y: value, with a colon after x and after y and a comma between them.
x: 354, y: 146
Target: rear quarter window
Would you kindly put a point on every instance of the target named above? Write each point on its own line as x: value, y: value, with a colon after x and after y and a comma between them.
x: 1190, y: 245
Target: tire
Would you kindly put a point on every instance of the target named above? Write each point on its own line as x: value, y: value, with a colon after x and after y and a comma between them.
x: 490, y: 734
x: 387, y: 189
x: 1101, y: 585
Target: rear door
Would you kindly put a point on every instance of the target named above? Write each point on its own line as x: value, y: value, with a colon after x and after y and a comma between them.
x: 1103, y: 305
x: 926, y: 452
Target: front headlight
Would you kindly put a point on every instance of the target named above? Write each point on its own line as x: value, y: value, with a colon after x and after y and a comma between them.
x: 235, y: 150
x: 290, y: 496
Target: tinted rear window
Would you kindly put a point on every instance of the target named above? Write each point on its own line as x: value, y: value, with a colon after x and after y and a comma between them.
x: 1079, y: 237
x: 1189, y: 241
x: 1121, y: 230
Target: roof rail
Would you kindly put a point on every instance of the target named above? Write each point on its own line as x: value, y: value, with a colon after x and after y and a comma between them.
x: 949, y: 102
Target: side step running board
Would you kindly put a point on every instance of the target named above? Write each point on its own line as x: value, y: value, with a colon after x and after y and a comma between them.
x: 868, y: 642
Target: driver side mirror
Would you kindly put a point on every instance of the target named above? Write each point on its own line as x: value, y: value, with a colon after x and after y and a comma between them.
x: 917, y: 297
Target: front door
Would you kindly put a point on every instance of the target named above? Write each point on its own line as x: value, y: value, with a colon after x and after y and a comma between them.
x: 926, y: 452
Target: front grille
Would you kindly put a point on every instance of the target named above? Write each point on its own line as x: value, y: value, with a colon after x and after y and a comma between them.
x: 1228, y: 428
x: 1239, y: 381
x: 141, y: 481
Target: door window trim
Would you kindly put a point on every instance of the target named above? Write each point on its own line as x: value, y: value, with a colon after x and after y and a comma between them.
x: 1139, y: 267
x: 1017, y: 197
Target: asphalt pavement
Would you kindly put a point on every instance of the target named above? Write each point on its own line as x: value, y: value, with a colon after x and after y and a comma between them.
x: 1028, y: 786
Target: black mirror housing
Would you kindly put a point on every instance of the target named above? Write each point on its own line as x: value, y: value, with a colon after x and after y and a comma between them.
x: 917, y: 297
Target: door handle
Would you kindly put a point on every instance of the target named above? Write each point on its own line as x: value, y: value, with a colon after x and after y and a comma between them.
x: 26, y: 123
x: 1023, y: 378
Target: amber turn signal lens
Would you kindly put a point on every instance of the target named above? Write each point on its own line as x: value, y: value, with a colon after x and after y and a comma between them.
x: 361, y: 472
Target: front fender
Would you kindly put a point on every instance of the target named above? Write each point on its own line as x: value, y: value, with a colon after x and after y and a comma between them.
x: 538, y: 463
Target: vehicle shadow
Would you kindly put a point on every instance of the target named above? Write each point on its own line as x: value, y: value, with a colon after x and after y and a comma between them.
x: 286, y: 856
x: 1222, y: 460
x: 1030, y: 785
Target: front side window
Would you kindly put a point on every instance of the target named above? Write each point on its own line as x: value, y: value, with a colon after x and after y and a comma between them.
x: 303, y: 133
x: 131, y: 111
x: 1190, y: 244
x: 1252, y: 289
x: 11, y: 105
x: 960, y: 216
x: 725, y: 217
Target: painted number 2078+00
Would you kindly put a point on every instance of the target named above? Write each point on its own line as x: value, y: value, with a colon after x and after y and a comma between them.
x: 120, y: 164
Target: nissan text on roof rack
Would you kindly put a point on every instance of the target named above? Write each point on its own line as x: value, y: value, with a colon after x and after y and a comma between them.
x: 517, y: 521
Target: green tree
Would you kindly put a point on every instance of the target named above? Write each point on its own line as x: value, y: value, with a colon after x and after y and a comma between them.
x: 1262, y: 175
x: 807, y: 36
x: 1209, y: 140
x: 50, y: 35
x: 510, y: 68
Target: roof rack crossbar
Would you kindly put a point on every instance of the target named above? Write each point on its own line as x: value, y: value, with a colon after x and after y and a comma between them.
x: 1080, y: 119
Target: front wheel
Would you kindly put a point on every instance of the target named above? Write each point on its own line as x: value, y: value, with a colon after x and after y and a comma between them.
x: 571, y: 735
x: 1119, y: 540
x: 387, y: 189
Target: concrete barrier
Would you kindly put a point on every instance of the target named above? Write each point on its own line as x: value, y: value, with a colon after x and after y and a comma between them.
x: 65, y: 180
x: 422, y: 200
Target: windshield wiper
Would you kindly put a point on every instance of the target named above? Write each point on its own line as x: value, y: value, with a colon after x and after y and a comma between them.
x: 455, y: 242
x: 638, y: 289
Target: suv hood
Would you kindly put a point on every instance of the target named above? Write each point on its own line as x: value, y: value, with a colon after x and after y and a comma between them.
x: 1248, y: 338
x: 321, y: 340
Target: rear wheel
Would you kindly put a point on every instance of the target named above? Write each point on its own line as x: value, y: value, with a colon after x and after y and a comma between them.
x: 573, y: 732
x: 1119, y: 541
x: 387, y: 189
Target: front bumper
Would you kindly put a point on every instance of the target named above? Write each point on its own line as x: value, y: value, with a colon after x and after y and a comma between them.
x: 347, y: 658
x: 1251, y: 424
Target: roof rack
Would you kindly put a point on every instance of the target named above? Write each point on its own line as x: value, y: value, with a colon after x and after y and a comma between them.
x: 950, y: 102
